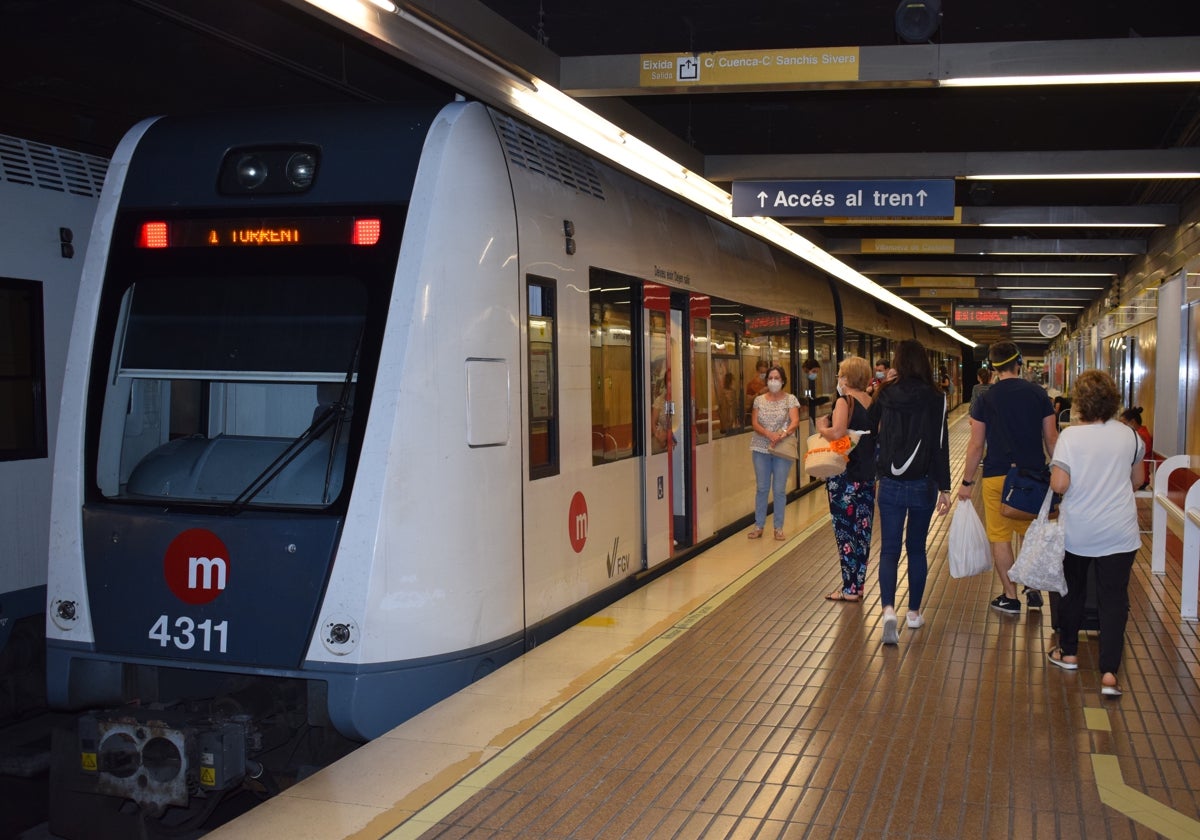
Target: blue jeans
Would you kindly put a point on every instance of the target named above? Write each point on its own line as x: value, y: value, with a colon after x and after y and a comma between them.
x: 770, y: 473
x: 898, y: 501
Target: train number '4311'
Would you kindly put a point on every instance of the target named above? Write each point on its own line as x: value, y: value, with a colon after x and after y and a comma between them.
x: 187, y: 634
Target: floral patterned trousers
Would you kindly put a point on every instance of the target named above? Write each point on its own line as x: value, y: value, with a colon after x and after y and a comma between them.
x: 852, y: 507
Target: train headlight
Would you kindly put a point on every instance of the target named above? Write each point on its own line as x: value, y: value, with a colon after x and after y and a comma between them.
x: 251, y: 172
x: 269, y: 170
x: 301, y: 168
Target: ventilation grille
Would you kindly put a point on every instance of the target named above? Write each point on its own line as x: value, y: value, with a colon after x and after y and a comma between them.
x: 537, y: 152
x: 51, y: 168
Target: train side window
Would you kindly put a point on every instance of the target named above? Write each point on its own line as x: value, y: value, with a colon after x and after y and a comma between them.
x: 543, y: 379
x: 22, y: 371
x: 613, y: 353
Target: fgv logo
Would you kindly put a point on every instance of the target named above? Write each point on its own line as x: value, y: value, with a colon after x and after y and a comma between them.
x: 196, y: 566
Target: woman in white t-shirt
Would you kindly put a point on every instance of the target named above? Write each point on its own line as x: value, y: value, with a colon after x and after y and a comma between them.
x: 776, y: 414
x: 1097, y: 464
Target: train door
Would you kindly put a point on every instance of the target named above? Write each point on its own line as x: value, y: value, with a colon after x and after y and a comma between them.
x: 689, y: 392
x: 665, y: 476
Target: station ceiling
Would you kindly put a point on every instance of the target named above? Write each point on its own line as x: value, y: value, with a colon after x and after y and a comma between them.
x: 78, y: 73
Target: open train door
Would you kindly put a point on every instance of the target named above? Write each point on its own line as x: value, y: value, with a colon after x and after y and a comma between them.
x: 670, y: 464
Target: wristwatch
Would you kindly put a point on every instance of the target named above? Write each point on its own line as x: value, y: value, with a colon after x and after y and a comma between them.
x: 967, y: 483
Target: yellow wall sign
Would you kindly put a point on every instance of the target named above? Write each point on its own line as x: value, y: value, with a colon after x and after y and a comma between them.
x: 87, y: 762
x: 749, y: 67
x: 908, y: 246
x: 208, y: 776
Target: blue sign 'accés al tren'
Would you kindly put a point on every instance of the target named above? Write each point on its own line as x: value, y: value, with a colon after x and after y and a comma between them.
x: 880, y: 199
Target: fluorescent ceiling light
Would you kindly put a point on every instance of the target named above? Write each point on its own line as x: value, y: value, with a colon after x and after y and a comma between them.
x: 1048, y: 253
x: 1049, y: 289
x: 1073, y: 224
x: 1177, y: 77
x: 1079, y: 176
x: 1041, y: 306
x: 1064, y: 271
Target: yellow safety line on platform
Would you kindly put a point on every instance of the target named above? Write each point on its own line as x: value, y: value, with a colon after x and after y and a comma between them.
x: 507, y: 758
x: 1132, y: 803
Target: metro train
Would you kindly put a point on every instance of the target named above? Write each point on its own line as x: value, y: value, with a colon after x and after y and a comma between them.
x: 362, y: 403
x: 48, y: 196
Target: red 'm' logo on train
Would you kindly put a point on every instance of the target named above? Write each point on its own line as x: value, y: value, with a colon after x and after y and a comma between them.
x: 577, y: 522
x: 196, y: 566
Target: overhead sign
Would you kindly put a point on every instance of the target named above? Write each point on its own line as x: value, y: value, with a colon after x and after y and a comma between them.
x: 982, y: 315
x: 873, y: 199
x: 907, y: 246
x: 748, y: 67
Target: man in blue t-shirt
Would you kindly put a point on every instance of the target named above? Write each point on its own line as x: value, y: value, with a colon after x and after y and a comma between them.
x: 1015, y: 419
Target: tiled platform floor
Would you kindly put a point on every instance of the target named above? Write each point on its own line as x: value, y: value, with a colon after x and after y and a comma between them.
x: 732, y: 700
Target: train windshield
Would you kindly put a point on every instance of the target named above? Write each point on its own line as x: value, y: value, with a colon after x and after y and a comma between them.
x: 232, y: 390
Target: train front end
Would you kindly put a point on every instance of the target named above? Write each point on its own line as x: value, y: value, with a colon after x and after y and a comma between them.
x: 221, y: 370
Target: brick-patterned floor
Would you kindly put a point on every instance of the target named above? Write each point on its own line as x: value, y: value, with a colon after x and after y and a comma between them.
x: 782, y: 715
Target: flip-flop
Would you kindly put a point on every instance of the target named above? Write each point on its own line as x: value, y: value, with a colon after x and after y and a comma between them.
x: 1059, y: 661
x: 839, y: 595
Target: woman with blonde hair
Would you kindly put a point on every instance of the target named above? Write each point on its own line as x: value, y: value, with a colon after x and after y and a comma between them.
x: 852, y: 493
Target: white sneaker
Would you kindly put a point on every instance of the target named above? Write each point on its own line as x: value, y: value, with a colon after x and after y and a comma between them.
x: 914, y: 620
x: 890, y: 636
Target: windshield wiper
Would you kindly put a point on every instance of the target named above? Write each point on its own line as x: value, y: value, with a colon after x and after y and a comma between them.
x: 331, y: 414
x: 334, y: 413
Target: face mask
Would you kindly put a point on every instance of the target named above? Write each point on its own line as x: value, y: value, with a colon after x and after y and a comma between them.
x: 841, y: 391
x: 763, y: 377
x: 879, y: 374
x: 812, y: 377
x: 774, y: 386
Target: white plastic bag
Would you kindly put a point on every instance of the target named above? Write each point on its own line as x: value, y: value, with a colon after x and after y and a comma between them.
x: 1040, y: 561
x: 970, y: 551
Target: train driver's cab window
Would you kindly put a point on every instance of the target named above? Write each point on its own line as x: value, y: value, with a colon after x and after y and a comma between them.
x: 613, y: 328
x: 22, y: 371
x: 543, y: 380
x: 232, y: 390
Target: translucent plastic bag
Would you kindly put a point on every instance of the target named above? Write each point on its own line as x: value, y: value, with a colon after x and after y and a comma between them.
x: 1040, y: 561
x: 970, y: 552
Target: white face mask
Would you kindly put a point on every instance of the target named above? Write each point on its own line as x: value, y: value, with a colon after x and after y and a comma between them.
x: 841, y: 391
x: 774, y: 386
x: 879, y: 374
x: 762, y: 376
